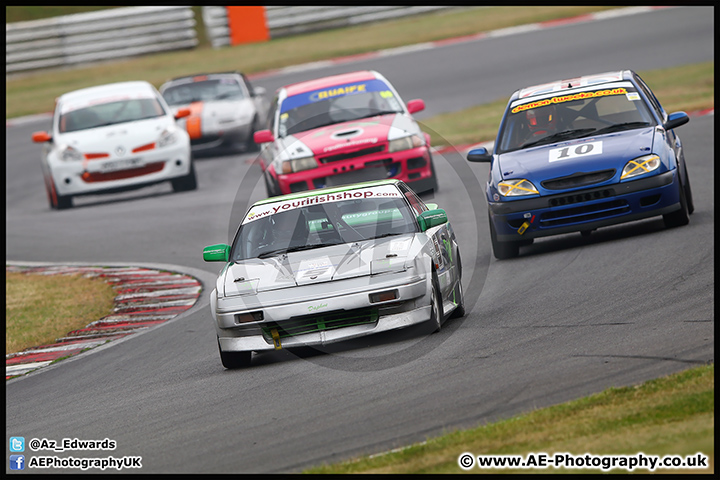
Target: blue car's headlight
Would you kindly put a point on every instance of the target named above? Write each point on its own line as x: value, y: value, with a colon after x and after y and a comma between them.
x: 640, y: 166
x: 516, y: 188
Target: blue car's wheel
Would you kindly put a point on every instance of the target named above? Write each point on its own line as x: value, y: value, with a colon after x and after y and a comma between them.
x: 502, y: 250
x: 679, y: 217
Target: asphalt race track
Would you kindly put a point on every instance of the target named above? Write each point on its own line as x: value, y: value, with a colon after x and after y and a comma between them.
x: 569, y: 317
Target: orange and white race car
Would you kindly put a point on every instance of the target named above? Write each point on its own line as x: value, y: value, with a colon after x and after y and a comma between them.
x: 225, y: 109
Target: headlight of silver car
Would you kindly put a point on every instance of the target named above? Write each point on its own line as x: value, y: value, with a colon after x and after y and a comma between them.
x: 405, y: 143
x: 640, y: 166
x: 516, y: 188
x: 69, y: 154
x: 299, y: 164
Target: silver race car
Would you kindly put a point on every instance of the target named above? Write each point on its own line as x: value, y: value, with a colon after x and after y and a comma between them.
x: 331, y: 264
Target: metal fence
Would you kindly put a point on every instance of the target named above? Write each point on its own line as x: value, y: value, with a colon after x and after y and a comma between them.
x: 123, y: 32
x: 97, y: 36
x: 291, y: 20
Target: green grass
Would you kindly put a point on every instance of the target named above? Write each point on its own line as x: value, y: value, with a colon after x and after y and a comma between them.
x: 41, y: 308
x: 673, y: 415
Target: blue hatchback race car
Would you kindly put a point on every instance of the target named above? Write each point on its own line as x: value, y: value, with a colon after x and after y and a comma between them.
x: 583, y: 153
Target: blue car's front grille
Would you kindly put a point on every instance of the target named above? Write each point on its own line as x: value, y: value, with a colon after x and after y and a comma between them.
x: 573, y: 215
x: 578, y: 180
x: 580, y: 197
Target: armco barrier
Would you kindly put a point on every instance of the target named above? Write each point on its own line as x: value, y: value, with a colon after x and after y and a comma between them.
x: 102, y: 35
x: 283, y: 21
x: 91, y: 37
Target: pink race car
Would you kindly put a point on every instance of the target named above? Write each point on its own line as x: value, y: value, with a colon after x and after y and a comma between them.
x: 343, y: 129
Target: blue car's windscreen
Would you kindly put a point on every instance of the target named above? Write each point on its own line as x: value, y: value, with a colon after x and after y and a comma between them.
x: 561, y: 117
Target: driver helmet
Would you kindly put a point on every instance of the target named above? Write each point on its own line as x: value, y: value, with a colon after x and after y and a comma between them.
x: 541, y: 120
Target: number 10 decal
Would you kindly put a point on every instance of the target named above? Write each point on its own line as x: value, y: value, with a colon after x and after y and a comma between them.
x: 574, y: 151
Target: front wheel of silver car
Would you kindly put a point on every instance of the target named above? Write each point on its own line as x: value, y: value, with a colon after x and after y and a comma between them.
x: 234, y: 359
x: 458, y: 294
x: 436, y: 309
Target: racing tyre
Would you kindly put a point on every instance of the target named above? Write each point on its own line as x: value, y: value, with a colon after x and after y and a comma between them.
x: 502, y: 250
x: 232, y: 360
x: 433, y: 181
x: 56, y: 201
x: 186, y: 183
x: 436, y: 308
x: 270, y: 185
x: 250, y: 145
x: 688, y: 192
x: 458, y: 294
x: 678, y: 218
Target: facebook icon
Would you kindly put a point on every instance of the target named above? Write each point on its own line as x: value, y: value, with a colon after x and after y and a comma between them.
x: 17, y: 462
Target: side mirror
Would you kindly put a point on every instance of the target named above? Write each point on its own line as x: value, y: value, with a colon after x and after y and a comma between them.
x: 41, y: 137
x: 259, y: 91
x: 675, y: 120
x: 216, y: 253
x: 415, y: 106
x: 432, y: 218
x: 479, y: 155
x: 263, y: 136
x: 182, y: 113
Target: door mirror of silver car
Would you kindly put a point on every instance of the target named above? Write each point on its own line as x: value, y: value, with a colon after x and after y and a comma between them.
x: 432, y: 218
x: 675, y: 120
x: 479, y: 155
x: 216, y: 253
x: 259, y: 91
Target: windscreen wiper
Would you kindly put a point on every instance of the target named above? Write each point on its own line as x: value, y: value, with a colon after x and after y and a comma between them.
x: 578, y: 132
x: 621, y: 126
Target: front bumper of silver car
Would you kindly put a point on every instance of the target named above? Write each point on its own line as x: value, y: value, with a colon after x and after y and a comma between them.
x: 333, y: 316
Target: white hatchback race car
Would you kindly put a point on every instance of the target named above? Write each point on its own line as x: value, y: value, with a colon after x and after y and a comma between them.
x: 112, y: 138
x: 332, y: 264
